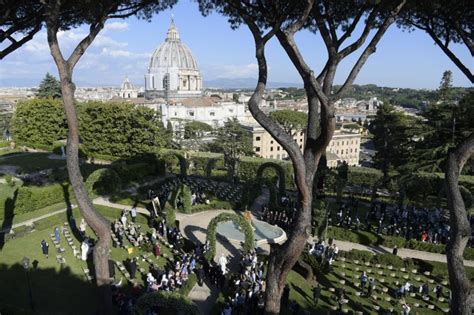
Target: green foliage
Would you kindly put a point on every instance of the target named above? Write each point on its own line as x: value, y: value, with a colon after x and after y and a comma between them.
x: 171, y: 301
x: 234, y: 142
x: 341, y: 179
x: 120, y: 129
x: 170, y: 214
x: 291, y: 121
x: 40, y: 122
x: 31, y: 198
x: 252, y: 189
x: 186, y: 197
x: 249, y: 166
x: 249, y: 243
x: 195, y: 130
x: 49, y: 87
x: 111, y: 129
x: 103, y: 181
x: 393, y: 133
x: 183, y: 193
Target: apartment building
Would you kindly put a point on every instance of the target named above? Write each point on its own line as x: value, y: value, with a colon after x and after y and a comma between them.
x: 343, y: 146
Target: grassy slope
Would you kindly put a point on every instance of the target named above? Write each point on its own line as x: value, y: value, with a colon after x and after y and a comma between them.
x: 55, y: 291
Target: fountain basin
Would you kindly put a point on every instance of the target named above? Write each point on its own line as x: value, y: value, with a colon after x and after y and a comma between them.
x: 264, y: 232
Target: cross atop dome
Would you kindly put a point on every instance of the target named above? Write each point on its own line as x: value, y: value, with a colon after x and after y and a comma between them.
x: 172, y: 34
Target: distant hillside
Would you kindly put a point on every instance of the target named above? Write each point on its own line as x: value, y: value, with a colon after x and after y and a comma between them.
x: 244, y: 83
x: 409, y: 98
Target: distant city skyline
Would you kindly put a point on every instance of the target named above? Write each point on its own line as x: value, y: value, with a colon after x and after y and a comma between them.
x: 124, y: 48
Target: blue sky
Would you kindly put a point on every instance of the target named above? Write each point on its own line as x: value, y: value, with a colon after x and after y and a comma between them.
x: 125, y: 46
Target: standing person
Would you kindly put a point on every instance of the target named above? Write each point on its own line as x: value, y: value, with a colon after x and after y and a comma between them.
x: 82, y: 227
x: 363, y: 281
x: 133, y: 214
x: 84, y: 250
x: 132, y: 267
x: 406, y: 309
x: 45, y: 248
x: 371, y: 287
x: 157, y: 249
x: 316, y: 293
x: 200, y: 275
x: 56, y: 234
x: 395, y: 251
x: 223, y: 264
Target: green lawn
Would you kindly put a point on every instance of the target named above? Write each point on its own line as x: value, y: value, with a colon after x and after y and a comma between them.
x: 31, y: 162
x: 55, y: 290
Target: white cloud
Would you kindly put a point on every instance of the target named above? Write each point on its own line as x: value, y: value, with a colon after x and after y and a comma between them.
x: 120, y: 53
x: 116, y: 26
x: 231, y: 71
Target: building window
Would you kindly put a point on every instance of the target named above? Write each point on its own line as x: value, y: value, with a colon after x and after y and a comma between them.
x: 278, y: 148
x: 271, y: 156
x: 271, y: 142
x: 278, y: 156
x: 337, y: 151
x: 231, y: 110
x: 301, y: 140
x: 301, y: 133
x: 191, y: 113
x: 301, y: 147
x: 257, y: 149
x: 175, y: 113
x: 257, y: 138
x: 271, y: 148
x: 212, y: 114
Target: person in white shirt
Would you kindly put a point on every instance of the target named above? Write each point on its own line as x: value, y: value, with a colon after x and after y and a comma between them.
x: 133, y: 214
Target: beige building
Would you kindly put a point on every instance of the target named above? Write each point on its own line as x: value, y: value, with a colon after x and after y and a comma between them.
x: 343, y: 146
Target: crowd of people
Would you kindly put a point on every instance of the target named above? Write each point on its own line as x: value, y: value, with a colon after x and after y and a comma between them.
x: 422, y: 224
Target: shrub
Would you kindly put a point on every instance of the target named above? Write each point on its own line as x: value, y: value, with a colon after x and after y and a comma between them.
x: 186, y: 197
x: 249, y: 243
x: 170, y: 217
x: 103, y: 181
x: 31, y: 198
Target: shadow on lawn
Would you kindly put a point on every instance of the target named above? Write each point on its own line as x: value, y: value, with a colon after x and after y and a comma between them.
x: 8, y: 218
x: 52, y: 291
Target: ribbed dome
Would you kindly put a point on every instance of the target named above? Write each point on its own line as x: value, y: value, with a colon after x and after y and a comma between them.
x: 173, y: 53
x: 127, y: 85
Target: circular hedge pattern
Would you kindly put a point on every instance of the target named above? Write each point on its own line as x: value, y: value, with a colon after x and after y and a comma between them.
x: 109, y: 179
x: 249, y: 243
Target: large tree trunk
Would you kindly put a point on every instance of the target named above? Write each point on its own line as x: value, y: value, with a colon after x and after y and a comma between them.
x: 99, y: 224
x: 283, y: 257
x: 461, y: 286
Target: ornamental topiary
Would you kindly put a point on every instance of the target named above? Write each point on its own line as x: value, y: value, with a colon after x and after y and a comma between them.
x: 103, y: 181
x: 249, y: 243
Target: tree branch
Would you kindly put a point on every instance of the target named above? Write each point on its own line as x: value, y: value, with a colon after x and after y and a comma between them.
x: 369, y: 23
x: 450, y: 55
x: 351, y: 28
x: 370, y: 49
x: 17, y: 44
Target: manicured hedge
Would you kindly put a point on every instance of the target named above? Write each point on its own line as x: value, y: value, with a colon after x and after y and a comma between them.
x: 31, y: 198
x: 103, y: 181
x: 248, y: 167
x: 249, y: 243
x: 170, y: 301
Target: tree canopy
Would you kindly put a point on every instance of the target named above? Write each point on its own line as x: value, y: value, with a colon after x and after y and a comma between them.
x: 291, y: 121
x: 49, y: 87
